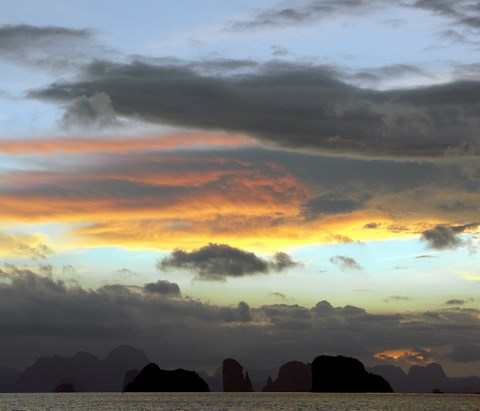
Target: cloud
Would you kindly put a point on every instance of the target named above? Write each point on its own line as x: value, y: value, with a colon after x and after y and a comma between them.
x: 444, y: 237
x: 331, y: 203
x: 459, y: 302
x: 48, y: 47
x: 295, y: 106
x: 397, y: 298
x: 461, y: 13
x: 23, y: 245
x: 465, y: 353
x: 170, y: 191
x: 345, y: 263
x: 406, y: 356
x: 163, y: 287
x: 280, y: 296
x: 308, y: 12
x: 95, y: 111
x: 121, y: 144
x: 217, y: 262
x: 40, y: 314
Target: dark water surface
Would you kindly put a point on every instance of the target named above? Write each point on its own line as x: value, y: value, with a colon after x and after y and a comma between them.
x: 237, y: 402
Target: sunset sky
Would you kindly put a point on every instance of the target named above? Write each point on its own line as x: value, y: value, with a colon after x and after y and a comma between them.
x: 262, y: 179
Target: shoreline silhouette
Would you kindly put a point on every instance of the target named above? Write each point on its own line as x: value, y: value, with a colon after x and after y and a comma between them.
x: 127, y: 369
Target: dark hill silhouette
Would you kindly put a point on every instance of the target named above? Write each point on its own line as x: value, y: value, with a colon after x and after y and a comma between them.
x: 343, y: 374
x: 426, y: 379
x: 8, y: 378
x: 234, y: 378
x: 85, y: 371
x: 64, y: 388
x: 130, y: 375
x: 294, y: 376
x: 154, y: 379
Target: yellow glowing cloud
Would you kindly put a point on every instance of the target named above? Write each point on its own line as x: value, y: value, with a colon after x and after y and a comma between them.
x: 23, y: 245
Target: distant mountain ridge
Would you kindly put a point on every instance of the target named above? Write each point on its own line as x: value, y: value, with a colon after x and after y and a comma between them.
x: 84, y: 371
x: 426, y: 379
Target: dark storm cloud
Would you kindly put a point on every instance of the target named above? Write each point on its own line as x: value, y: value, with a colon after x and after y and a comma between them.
x: 345, y: 263
x: 47, y: 47
x: 41, y: 315
x: 444, y: 237
x: 162, y: 287
x: 292, y: 105
x: 217, y: 262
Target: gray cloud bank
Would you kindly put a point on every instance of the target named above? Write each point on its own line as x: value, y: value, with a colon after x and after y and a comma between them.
x: 216, y: 262
x: 49, y: 47
x: 40, y: 316
x: 464, y: 14
x: 295, y: 106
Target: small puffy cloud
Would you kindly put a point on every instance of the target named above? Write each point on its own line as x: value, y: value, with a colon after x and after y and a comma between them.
x: 279, y: 296
x: 162, y: 287
x: 91, y: 112
x: 216, y: 262
x: 397, y: 298
x: 444, y: 237
x: 345, y: 263
x: 455, y: 302
x: 406, y: 356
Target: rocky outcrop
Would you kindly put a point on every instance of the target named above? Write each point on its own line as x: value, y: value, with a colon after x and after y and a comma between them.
x: 294, y: 376
x: 343, y: 374
x: 234, y: 378
x: 153, y: 379
x: 85, y: 371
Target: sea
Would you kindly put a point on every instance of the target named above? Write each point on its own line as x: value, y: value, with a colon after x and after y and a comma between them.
x: 237, y: 402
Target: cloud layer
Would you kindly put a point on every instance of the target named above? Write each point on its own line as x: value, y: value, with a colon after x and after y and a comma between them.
x: 42, y: 315
x: 292, y: 105
x: 217, y: 262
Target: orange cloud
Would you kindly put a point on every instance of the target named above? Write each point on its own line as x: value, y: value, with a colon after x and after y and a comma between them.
x: 78, y: 145
x: 181, y: 199
x: 405, y: 356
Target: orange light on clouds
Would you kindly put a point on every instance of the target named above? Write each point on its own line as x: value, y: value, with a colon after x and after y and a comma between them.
x: 78, y: 145
x: 406, y: 356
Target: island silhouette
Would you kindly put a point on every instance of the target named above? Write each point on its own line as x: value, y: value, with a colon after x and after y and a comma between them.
x: 128, y: 369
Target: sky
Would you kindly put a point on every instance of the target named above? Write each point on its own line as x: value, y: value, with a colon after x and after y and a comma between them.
x: 268, y: 180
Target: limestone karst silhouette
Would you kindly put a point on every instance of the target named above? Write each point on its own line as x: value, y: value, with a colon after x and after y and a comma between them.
x: 234, y: 378
x: 153, y: 379
x: 294, y: 376
x: 344, y: 374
